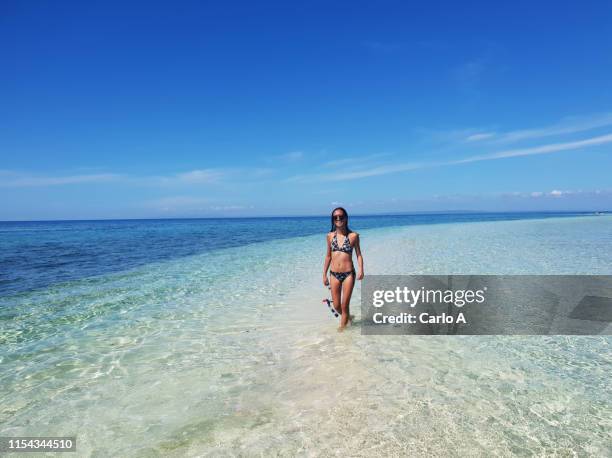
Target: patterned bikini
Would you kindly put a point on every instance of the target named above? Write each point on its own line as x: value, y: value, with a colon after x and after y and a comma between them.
x: 346, y: 248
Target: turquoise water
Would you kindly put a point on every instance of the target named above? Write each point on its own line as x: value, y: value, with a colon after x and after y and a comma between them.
x: 37, y: 254
x: 230, y: 351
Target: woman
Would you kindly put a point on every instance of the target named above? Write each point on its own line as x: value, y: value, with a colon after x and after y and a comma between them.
x: 340, y: 244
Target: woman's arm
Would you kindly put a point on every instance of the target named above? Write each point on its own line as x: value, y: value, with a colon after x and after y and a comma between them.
x: 359, y: 257
x: 327, y: 262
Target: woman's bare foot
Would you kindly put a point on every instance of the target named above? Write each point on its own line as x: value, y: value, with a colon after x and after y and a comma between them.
x: 341, y: 328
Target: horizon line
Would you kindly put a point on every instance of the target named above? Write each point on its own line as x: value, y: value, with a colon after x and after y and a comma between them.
x: 406, y: 213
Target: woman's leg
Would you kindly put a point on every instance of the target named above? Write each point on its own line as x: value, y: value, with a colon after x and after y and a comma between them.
x: 336, y: 289
x: 347, y: 291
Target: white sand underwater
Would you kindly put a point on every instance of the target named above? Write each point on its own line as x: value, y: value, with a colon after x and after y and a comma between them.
x: 232, y: 354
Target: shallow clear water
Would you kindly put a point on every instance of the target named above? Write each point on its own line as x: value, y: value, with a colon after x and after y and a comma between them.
x: 230, y: 351
x: 36, y: 254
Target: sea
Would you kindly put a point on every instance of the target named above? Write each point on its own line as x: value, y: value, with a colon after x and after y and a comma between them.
x: 207, y: 337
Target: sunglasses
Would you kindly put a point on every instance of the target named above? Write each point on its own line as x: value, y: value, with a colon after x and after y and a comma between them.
x: 339, y: 217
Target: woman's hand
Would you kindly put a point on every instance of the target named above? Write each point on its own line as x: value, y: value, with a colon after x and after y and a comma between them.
x: 325, y: 280
x: 360, y: 275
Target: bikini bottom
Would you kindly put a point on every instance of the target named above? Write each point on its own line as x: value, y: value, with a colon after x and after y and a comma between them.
x: 341, y: 276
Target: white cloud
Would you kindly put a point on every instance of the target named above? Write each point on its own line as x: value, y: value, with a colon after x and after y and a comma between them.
x: 200, y: 176
x: 568, y: 125
x: 556, y: 193
x: 403, y: 167
x: 231, y: 207
x: 182, y: 204
x: 353, y: 160
x: 542, y: 149
x: 10, y: 179
x: 196, y: 177
x: 482, y: 136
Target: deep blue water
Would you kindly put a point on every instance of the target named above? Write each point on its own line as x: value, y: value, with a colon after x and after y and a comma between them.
x: 39, y: 254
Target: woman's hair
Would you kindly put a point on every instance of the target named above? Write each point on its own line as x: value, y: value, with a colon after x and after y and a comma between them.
x: 333, y: 225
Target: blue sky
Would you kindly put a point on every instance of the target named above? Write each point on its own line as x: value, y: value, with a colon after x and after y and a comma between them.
x: 160, y: 109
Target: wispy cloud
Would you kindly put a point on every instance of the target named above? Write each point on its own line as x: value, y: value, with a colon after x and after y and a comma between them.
x: 203, y: 177
x: 557, y: 193
x: 482, y: 136
x: 353, y: 175
x: 568, y: 125
x: 225, y: 208
x: 196, y: 177
x: 487, y: 201
x: 193, y: 205
x: 10, y: 179
x: 354, y: 160
x: 542, y: 149
x: 276, y: 160
x: 403, y: 167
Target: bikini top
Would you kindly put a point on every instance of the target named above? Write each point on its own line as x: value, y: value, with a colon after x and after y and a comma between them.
x: 346, y: 245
